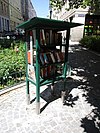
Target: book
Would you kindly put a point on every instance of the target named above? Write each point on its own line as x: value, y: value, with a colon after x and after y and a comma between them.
x: 53, y: 71
x: 29, y: 57
x: 42, y: 59
x: 52, y: 57
x: 42, y: 37
x: 43, y: 72
x: 47, y: 36
x: 58, y: 38
x: 31, y: 72
x: 55, y: 56
x: 61, y: 55
x: 45, y: 58
x: 49, y: 57
x: 49, y: 71
x: 58, y: 58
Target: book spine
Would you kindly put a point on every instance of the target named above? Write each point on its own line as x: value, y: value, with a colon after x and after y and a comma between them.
x: 45, y: 58
x: 44, y: 37
x: 41, y: 59
x: 44, y: 72
x: 58, y: 58
x: 49, y: 71
x: 52, y: 57
x: 49, y: 57
x: 61, y: 55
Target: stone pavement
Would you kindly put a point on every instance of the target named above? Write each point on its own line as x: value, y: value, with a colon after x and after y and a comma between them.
x: 80, y: 112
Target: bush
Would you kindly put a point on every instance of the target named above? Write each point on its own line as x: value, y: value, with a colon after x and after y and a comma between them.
x: 5, y: 43
x: 91, y: 42
x: 12, y: 61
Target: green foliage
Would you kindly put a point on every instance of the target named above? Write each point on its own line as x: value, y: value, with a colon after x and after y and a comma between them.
x: 93, y: 4
x: 12, y: 61
x: 56, y: 4
x: 91, y: 42
x: 5, y: 43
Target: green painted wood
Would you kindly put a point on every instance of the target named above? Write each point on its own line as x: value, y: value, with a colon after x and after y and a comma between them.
x: 44, y: 23
x: 30, y: 80
x: 66, y: 51
x: 27, y: 82
x: 37, y: 65
x: 50, y: 81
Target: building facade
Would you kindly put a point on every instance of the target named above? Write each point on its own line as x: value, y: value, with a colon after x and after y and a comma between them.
x: 31, y: 10
x: 28, y: 10
x: 4, y: 16
x: 73, y: 15
x: 15, y: 14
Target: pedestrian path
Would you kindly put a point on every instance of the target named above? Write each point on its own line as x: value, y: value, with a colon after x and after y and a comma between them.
x: 79, y: 114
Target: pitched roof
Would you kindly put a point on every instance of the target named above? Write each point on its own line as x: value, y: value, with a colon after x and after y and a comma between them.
x: 44, y: 23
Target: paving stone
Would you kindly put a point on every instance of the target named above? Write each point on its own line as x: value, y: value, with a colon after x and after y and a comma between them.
x: 18, y: 117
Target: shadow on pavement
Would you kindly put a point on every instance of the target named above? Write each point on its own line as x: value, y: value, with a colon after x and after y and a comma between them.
x: 86, y: 65
x: 49, y: 96
x: 86, y: 76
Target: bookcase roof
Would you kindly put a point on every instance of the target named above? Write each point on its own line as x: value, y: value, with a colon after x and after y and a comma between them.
x: 44, y: 23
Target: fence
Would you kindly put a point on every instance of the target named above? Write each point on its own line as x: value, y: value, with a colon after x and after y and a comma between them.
x: 12, y: 79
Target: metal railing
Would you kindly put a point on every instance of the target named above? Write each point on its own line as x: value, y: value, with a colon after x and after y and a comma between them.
x: 12, y: 79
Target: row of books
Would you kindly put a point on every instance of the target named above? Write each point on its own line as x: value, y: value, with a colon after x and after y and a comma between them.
x: 50, y: 37
x: 45, y: 72
x: 51, y: 57
x: 48, y: 71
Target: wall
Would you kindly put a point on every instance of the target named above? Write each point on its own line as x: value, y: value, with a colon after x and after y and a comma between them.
x: 4, y: 15
x: 31, y: 10
x: 73, y: 15
x: 15, y: 13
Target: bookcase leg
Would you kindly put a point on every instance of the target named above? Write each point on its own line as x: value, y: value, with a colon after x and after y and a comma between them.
x: 37, y: 108
x: 63, y: 92
x: 52, y: 88
x: 28, y: 99
x: 28, y: 95
x: 37, y: 99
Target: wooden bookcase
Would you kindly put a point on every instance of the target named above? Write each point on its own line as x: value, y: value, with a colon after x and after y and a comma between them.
x: 46, y: 62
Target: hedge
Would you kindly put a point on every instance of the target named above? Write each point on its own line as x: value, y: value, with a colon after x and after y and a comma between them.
x: 91, y: 42
x: 12, y: 61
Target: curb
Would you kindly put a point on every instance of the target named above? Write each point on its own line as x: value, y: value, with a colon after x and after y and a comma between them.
x: 93, y: 52
x: 6, y: 90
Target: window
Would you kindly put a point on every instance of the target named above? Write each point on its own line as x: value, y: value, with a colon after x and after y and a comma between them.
x: 3, y: 23
x: 2, y: 7
x: 0, y: 23
x: 7, y: 25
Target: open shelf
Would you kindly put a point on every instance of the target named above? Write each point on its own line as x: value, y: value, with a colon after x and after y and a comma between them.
x: 46, y: 60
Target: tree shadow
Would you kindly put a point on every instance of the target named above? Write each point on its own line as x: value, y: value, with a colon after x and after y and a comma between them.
x: 89, y: 126
x: 70, y: 100
x: 87, y: 65
x: 49, y: 96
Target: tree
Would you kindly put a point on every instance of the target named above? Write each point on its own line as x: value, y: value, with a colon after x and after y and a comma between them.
x: 56, y: 4
x: 94, y: 5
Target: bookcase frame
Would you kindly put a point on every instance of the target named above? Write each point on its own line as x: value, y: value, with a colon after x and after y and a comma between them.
x: 36, y: 24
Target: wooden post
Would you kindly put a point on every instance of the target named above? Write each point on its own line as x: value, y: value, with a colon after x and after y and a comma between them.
x: 27, y: 82
x: 37, y: 71
x: 63, y: 93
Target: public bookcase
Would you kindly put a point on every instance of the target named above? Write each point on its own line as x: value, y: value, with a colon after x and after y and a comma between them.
x: 46, y: 56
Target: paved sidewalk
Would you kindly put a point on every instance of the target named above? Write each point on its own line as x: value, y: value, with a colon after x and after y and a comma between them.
x: 79, y: 114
